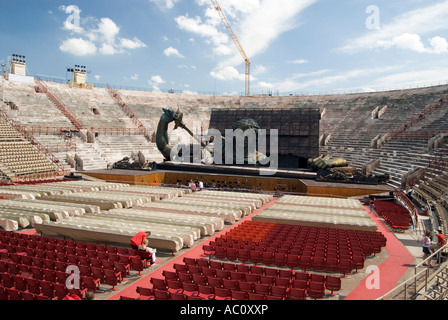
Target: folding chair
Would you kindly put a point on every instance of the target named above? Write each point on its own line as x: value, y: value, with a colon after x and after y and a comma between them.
x: 112, y: 278
x: 138, y: 264
x: 144, y: 293
x: 91, y: 283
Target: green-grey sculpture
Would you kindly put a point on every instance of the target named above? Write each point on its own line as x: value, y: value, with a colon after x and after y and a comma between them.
x: 170, y: 116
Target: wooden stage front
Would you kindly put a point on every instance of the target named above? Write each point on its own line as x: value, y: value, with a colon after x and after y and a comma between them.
x: 300, y: 185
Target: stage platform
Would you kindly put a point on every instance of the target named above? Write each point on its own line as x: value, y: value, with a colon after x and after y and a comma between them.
x: 247, y: 179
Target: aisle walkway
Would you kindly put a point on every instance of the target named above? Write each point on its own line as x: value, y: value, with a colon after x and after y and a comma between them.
x: 386, y: 276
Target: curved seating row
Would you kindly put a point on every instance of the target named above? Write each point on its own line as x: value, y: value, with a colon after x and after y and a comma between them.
x: 213, y: 280
x: 38, y: 270
x: 321, y: 249
x: 394, y: 214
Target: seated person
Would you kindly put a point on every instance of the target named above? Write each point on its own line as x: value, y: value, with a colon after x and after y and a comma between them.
x: 138, y: 239
x: 146, y: 252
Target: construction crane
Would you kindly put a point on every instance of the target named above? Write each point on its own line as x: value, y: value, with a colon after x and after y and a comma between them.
x: 237, y: 43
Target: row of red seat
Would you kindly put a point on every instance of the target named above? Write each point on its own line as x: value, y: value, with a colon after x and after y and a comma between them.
x: 394, y: 214
x: 9, y: 238
x: 19, y: 287
x: 50, y: 263
x: 223, y: 280
x: 304, y: 247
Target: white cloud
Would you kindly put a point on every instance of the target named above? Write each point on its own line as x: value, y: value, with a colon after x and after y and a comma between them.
x: 156, y: 80
x: 413, y: 42
x: 108, y: 30
x: 132, y: 44
x: 172, y: 52
x: 265, y: 85
x: 439, y: 45
x: 164, y: 4
x: 299, y: 61
x: 405, y: 32
x: 103, y: 34
x: 135, y: 77
x: 78, y: 47
x: 202, y: 29
x: 256, y: 23
x: 227, y: 74
x: 107, y: 49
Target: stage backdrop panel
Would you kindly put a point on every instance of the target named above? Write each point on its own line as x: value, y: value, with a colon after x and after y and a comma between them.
x: 298, y: 130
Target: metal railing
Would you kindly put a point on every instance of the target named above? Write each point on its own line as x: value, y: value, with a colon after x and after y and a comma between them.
x: 424, y: 274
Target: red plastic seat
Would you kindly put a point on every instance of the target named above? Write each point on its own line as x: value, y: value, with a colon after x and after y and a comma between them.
x: 345, y: 266
x: 161, y: 295
x: 305, y: 262
x: 7, y: 280
x: 112, y: 278
x: 178, y: 296
x: 230, y: 284
x: 267, y: 258
x: 300, y: 284
x: 208, y: 250
x: 91, y: 283
x: 262, y: 288
x: 159, y: 284
x: 138, y: 264
x: 283, y: 282
x: 214, y: 282
x: 174, y: 286
x: 297, y: 294
x: 190, y: 261
x: 206, y: 292
x: 170, y: 275
x: 239, y: 295
x: 271, y: 272
x: 180, y: 267
x: 255, y: 257
x: 332, y: 264
x: 199, y: 279
x: 255, y: 296
x: 60, y: 290
x: 333, y: 283
x: 33, y: 285
x: 20, y: 283
x: 316, y: 290
x: 14, y: 294
x: 47, y: 288
x: 144, y: 293
x: 222, y: 294
x: 125, y: 269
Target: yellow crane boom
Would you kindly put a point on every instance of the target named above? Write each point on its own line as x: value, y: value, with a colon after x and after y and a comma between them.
x: 237, y: 43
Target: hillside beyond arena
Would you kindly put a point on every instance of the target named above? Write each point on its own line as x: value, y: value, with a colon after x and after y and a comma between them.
x: 244, y: 237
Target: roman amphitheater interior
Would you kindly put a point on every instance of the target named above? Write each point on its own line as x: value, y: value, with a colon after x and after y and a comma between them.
x: 60, y: 145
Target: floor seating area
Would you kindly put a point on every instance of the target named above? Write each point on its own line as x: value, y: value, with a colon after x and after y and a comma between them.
x: 309, y: 248
x: 204, y: 279
x: 101, y: 211
x: 396, y: 216
x: 35, y: 267
x: 318, y: 211
x: 230, y: 206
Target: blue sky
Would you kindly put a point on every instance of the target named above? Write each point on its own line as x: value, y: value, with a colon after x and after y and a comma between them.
x: 295, y: 46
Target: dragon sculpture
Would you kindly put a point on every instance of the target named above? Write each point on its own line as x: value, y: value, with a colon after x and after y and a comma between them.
x: 169, y: 116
